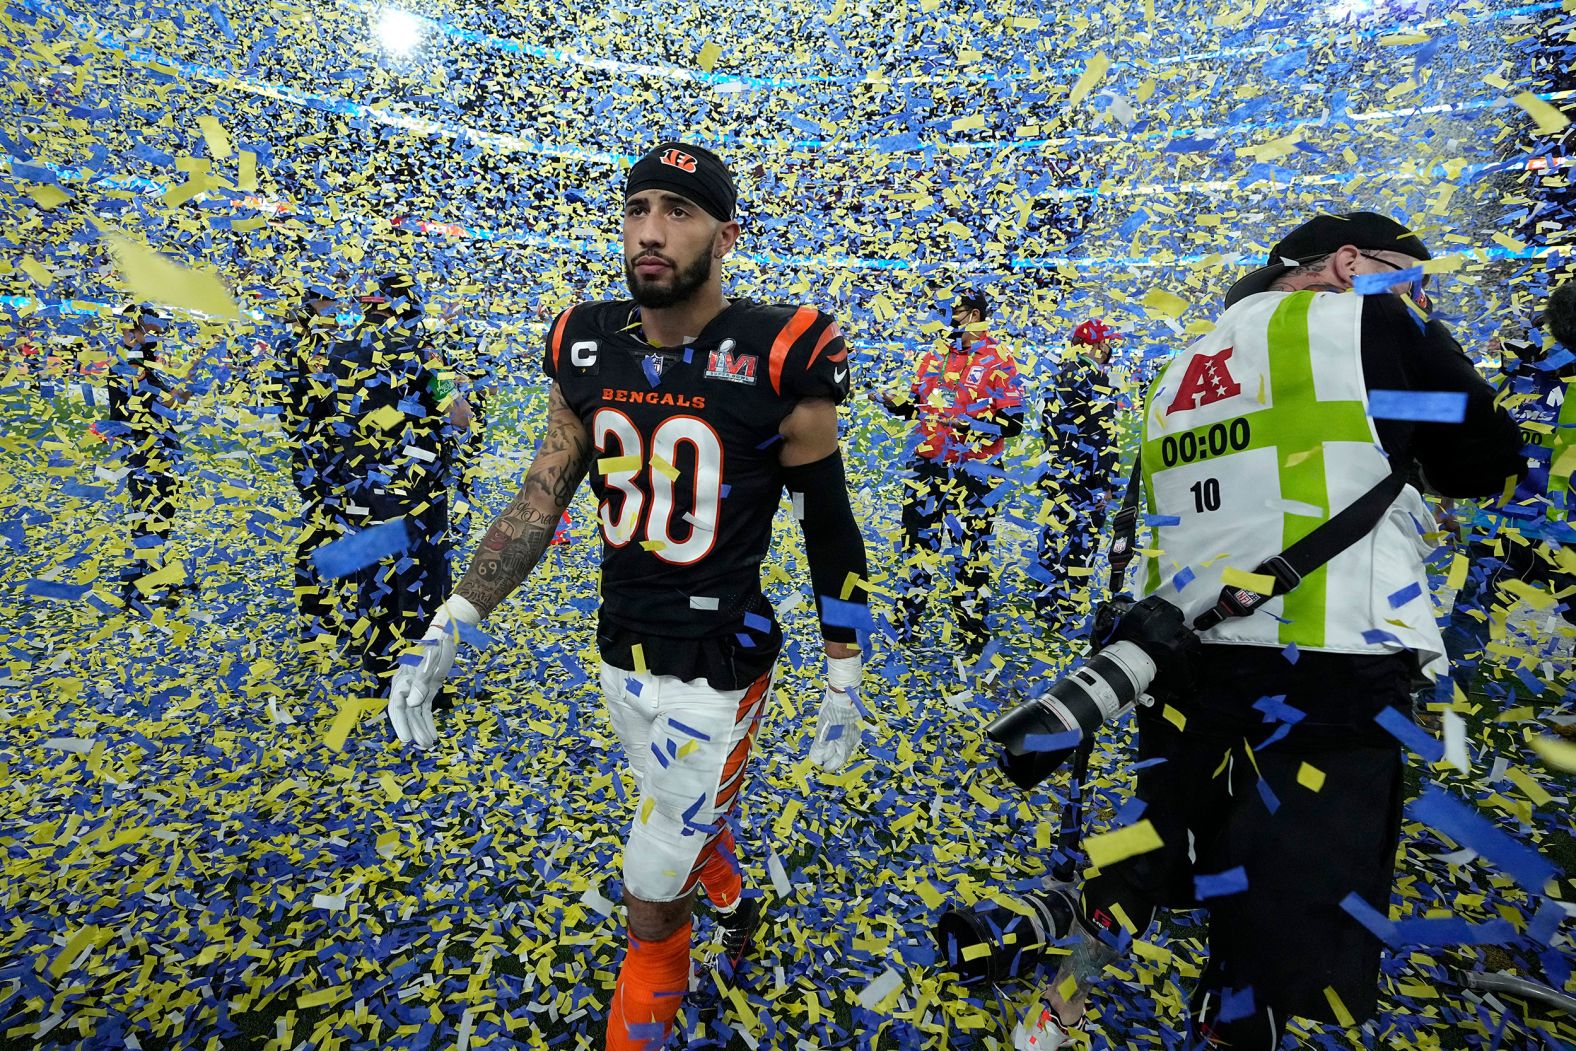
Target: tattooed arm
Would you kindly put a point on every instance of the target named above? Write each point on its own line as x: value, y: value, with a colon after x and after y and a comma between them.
x: 515, y: 541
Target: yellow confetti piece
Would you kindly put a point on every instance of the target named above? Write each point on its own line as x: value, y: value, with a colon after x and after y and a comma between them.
x: 1549, y: 119
x: 665, y: 469
x: 1174, y: 717
x: 73, y: 947
x: 1093, y: 73
x: 1160, y: 303
x: 1258, y: 583
x: 1458, y: 572
x: 637, y: 653
x: 1529, y: 788
x: 1342, y: 1015
x: 385, y: 418
x: 215, y: 136
x: 246, y: 172
x: 1122, y: 918
x: 710, y: 52
x: 391, y: 787
x: 155, y: 278
x: 1107, y: 848
x: 1310, y: 777
x: 1557, y: 753
x: 41, y: 274
x: 168, y: 576
x: 48, y: 196
x: 645, y: 810
x: 618, y: 464
x: 344, y: 721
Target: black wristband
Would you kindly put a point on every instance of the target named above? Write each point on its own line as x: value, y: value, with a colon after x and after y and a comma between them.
x: 832, y: 541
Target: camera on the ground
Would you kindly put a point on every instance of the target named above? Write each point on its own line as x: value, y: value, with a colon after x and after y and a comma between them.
x: 995, y: 941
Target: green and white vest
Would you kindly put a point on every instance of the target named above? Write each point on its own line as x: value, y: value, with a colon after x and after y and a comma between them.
x: 1253, y: 436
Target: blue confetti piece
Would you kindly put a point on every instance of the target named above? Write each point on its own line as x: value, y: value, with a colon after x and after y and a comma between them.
x: 1405, y: 595
x: 1410, y: 734
x: 1162, y: 520
x: 756, y: 622
x: 682, y: 728
x: 1378, y: 637
x: 474, y: 636
x: 1183, y: 578
x: 56, y: 589
x: 368, y: 547
x: 1220, y: 884
x: 842, y: 614
x: 1453, y: 931
x: 1290, y: 652
x: 1236, y: 1004
x: 744, y: 640
x: 1376, y: 922
x: 1429, y: 406
x: 1546, y: 923
x: 1266, y: 793
x: 1052, y: 742
x: 1376, y: 284
x: 1444, y: 813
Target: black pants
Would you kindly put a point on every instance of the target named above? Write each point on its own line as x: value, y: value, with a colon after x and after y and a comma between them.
x: 1484, y: 591
x: 1068, y: 542
x: 151, y: 486
x: 316, y: 611
x: 947, y: 519
x: 399, y: 595
x: 1304, y: 840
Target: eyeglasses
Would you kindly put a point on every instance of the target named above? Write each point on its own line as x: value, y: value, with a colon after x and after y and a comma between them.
x: 1393, y: 266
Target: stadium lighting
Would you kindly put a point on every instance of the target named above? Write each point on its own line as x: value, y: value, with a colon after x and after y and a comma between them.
x: 399, y: 32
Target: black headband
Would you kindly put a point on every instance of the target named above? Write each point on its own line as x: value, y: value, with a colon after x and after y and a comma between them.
x: 688, y: 171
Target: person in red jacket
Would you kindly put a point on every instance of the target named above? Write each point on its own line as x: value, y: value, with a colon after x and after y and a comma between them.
x: 967, y: 400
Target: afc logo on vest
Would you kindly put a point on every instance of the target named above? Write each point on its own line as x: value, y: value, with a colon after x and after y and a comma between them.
x: 1207, y: 380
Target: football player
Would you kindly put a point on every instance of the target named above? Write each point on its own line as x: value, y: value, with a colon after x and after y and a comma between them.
x: 696, y: 412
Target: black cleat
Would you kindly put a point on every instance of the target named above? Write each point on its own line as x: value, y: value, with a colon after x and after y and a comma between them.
x: 735, y: 938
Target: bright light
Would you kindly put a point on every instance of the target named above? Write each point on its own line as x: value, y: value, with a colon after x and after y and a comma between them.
x: 399, y: 32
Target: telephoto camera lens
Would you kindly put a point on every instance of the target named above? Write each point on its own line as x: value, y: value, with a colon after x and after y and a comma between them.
x: 996, y: 941
x: 1038, y: 736
x: 1148, y: 638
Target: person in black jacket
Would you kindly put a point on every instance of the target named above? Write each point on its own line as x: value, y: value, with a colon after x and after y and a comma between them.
x: 388, y: 467
x: 1077, y: 421
x: 305, y: 388
x: 141, y: 404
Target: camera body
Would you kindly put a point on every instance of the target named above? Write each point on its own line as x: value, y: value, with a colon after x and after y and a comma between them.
x: 1148, y: 649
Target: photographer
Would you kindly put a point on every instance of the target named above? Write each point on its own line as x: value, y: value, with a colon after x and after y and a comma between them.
x: 1267, y: 766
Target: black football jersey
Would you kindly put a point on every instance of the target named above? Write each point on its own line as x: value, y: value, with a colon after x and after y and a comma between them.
x: 685, y: 465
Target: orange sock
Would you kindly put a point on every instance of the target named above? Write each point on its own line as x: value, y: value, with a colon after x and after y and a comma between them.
x: 719, y: 873
x: 651, y: 983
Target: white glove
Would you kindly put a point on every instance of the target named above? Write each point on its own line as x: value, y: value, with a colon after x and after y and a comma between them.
x: 837, y: 724
x: 414, y: 687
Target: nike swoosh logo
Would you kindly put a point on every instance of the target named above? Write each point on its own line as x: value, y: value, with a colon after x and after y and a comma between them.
x: 840, y: 375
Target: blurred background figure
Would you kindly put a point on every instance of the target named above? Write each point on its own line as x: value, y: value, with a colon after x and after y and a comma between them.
x: 142, y: 404
x: 1528, y: 538
x: 458, y: 349
x: 967, y: 400
x: 387, y: 466
x: 1078, y: 418
x: 304, y: 388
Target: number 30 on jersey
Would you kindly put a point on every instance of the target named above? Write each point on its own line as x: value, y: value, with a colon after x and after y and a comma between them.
x: 649, y: 511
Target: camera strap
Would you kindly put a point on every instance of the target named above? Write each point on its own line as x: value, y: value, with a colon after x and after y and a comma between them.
x: 1125, y: 528
x: 1330, y: 538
